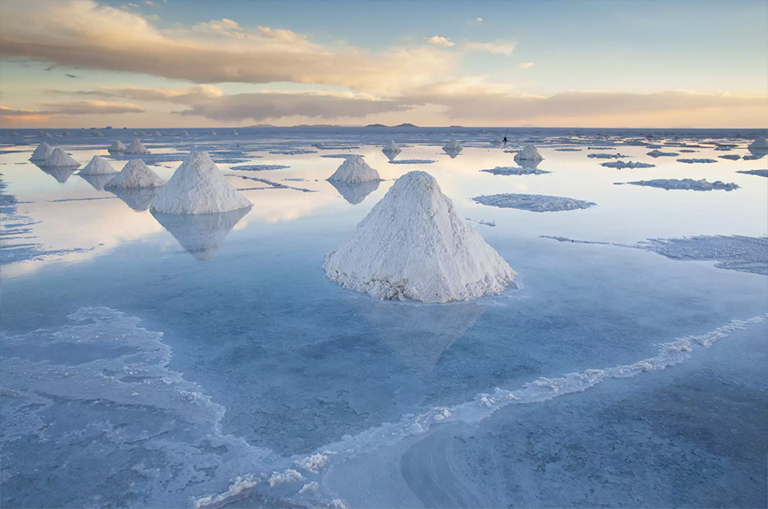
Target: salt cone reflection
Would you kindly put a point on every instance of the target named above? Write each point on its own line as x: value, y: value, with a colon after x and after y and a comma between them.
x: 96, y: 181
x: 201, y: 235
x: 137, y: 198
x: 60, y: 174
x: 355, y: 192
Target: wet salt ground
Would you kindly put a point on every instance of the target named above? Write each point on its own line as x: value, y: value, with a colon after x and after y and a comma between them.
x: 292, y: 363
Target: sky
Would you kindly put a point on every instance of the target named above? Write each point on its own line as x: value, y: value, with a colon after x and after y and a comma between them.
x: 551, y: 63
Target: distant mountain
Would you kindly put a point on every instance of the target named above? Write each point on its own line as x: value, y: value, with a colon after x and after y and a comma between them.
x: 317, y: 125
x: 406, y: 125
x: 261, y: 125
x: 376, y: 125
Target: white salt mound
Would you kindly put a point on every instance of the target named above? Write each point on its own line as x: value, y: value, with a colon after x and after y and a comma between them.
x: 136, y: 148
x: 529, y: 154
x: 157, y: 133
x: 354, y: 169
x: 59, y: 159
x: 413, y: 245
x: 97, y: 166
x: 452, y: 146
x: 198, y: 187
x: 135, y: 174
x: 391, y: 148
x: 184, y: 133
x: 116, y: 146
x: 759, y: 144
x: 97, y: 134
x: 14, y: 133
x: 42, y: 152
x: 213, y: 133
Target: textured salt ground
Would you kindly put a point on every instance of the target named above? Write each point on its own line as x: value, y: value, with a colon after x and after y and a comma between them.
x: 684, y: 184
x: 734, y: 252
x: 533, y: 202
x: 620, y: 165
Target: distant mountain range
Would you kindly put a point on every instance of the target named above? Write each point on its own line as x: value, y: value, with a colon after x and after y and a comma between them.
x: 400, y: 125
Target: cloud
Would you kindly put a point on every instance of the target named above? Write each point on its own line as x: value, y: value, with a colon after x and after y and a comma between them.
x: 274, y: 105
x: 91, y: 108
x: 475, y: 22
x: 497, y: 48
x: 188, y: 95
x: 72, y: 76
x: 86, y: 35
x: 525, y: 65
x: 439, y: 41
x: 21, y: 115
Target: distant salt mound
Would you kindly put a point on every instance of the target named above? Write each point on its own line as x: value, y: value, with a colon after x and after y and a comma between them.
x: 66, y: 133
x: 686, y: 184
x: 659, y: 153
x: 157, y: 133
x: 529, y: 155
x: 697, y: 160
x: 184, y: 133
x: 98, y: 166
x: 116, y: 146
x: 533, y: 202
x: 511, y: 170
x: 97, y: 134
x: 391, y: 148
x: 759, y: 144
x: 59, y: 159
x: 620, y: 165
x: 235, y: 133
x: 198, y: 187
x: 135, y: 174
x: 453, y: 147
x: 44, y: 134
x: 213, y: 133
x: 354, y: 169
x: 14, y: 133
x: 42, y: 152
x: 136, y: 148
x: 413, y: 245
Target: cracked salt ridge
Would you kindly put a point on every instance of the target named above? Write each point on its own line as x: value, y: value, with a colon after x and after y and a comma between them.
x: 519, y: 170
x: 683, y: 184
x: 759, y: 173
x: 273, y: 184
x: 259, y: 167
x: 485, y: 404
x: 532, y: 202
x: 412, y: 161
x: 736, y: 252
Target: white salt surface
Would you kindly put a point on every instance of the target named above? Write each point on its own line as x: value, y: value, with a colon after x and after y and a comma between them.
x: 533, y: 202
x: 117, y: 146
x: 686, y: 184
x: 135, y: 174
x: 98, y: 166
x: 606, y: 155
x: 627, y: 164
x: 136, y: 148
x: 659, y: 153
x: 732, y: 157
x: 42, y: 152
x: 354, y: 169
x: 413, y: 245
x: 198, y: 187
x: 59, y: 159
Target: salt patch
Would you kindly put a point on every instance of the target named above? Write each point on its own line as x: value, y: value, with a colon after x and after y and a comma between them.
x: 501, y: 170
x: 627, y: 164
x: 533, y: 202
x: 695, y: 160
x: 659, y: 153
x: 686, y: 184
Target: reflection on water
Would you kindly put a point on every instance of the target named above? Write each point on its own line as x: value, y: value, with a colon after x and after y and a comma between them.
x: 97, y: 181
x: 355, y: 193
x: 139, y: 199
x: 60, y: 174
x: 201, y: 234
x: 452, y: 152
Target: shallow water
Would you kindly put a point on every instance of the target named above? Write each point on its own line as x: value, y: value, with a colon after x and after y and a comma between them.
x: 153, y: 361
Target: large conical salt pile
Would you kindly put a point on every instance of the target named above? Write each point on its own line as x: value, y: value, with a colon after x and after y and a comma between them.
x: 391, y: 148
x: 136, y: 148
x: 354, y: 169
x: 59, y: 159
x: 98, y: 166
x: 135, y: 174
x: 198, y: 187
x: 759, y: 144
x: 452, y: 146
x: 116, y: 146
x: 413, y: 245
x: 42, y: 152
x: 529, y: 154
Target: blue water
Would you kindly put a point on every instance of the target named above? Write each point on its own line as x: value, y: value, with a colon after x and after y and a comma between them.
x: 268, y: 361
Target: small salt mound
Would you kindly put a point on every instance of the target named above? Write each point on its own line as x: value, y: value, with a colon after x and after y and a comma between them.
x: 529, y: 154
x: 452, y: 146
x: 391, y: 148
x: 184, y: 133
x: 213, y: 133
x: 45, y: 134
x: 97, y: 166
x: 14, y: 133
x: 157, y: 133
x: 354, y: 169
x: 97, y: 134
x: 198, y: 187
x: 413, y: 245
x: 42, y: 152
x: 59, y: 159
x: 135, y: 174
x: 136, y: 148
x: 759, y: 144
x: 66, y: 133
x: 235, y: 133
x: 116, y: 146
